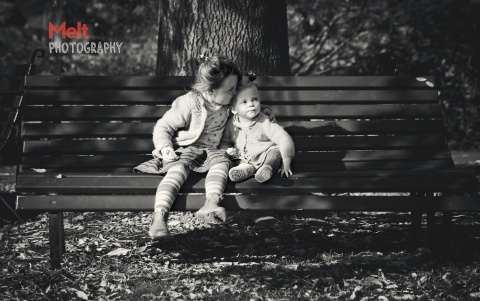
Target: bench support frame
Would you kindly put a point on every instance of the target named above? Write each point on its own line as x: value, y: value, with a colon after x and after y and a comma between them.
x: 56, y: 238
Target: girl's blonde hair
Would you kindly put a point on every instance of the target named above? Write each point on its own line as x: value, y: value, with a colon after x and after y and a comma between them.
x: 212, y: 71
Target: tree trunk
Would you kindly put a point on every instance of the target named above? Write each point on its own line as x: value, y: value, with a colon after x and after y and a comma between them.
x: 251, y: 32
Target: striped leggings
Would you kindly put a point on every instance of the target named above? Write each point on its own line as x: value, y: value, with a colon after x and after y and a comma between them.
x: 168, y: 188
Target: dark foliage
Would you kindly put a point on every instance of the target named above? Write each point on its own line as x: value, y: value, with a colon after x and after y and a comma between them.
x: 436, y: 38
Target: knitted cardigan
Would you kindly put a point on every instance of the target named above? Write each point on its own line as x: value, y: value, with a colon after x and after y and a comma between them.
x: 257, y: 138
x: 182, y: 124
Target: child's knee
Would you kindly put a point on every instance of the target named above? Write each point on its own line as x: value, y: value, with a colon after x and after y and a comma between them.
x: 273, y: 159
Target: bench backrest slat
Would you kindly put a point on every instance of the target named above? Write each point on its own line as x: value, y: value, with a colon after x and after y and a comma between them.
x: 294, y: 128
x: 270, y: 83
x: 86, y: 147
x: 297, y: 112
x: 165, y: 97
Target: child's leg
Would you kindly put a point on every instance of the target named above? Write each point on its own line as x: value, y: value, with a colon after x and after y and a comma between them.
x: 166, y: 193
x: 216, y: 179
x: 241, y: 172
x: 215, y: 183
x: 271, y: 164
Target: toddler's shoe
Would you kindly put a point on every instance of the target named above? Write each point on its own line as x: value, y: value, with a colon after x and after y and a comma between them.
x: 159, y: 229
x: 211, y: 212
x: 241, y: 172
x: 263, y: 174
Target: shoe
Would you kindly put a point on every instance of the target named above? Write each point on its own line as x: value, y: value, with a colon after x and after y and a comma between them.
x: 240, y: 173
x: 264, y: 174
x: 159, y: 229
x: 211, y: 212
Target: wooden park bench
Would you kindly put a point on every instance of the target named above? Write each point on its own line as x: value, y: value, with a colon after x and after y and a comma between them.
x: 382, y: 136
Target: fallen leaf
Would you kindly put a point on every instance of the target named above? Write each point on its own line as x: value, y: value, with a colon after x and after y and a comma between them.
x: 423, y: 279
x: 81, y: 294
x: 119, y: 251
x: 372, y: 281
x: 272, y: 240
x: 141, y: 249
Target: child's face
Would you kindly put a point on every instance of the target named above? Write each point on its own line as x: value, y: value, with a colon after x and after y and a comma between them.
x: 225, y: 93
x: 247, y: 103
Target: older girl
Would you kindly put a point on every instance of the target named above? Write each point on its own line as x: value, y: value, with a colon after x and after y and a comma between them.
x: 186, y: 138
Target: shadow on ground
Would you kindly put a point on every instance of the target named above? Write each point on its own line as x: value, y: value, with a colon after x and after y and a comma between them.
x: 311, y: 237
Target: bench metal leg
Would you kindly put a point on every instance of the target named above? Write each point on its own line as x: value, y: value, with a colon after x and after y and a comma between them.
x: 416, y: 222
x: 416, y: 228
x: 447, y: 219
x: 432, y: 231
x: 431, y: 224
x: 56, y: 237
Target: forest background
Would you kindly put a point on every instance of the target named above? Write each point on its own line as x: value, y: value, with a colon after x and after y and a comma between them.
x: 326, y: 37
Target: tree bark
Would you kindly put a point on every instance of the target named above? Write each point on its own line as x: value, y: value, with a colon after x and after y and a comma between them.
x: 251, y: 32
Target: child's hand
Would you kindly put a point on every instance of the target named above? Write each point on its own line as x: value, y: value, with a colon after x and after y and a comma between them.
x: 156, y: 153
x: 232, y: 152
x: 169, y: 154
x: 285, y: 169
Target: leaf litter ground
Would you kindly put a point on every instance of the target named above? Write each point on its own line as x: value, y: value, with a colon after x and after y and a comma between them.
x: 309, y: 256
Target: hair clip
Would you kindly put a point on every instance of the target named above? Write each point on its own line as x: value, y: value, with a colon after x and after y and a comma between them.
x: 251, y: 76
x: 202, y: 58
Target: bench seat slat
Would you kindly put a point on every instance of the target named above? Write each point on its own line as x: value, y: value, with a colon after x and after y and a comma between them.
x: 301, y: 157
x: 280, y: 82
x: 296, y: 128
x: 297, y: 166
x: 362, y: 165
x: 137, y: 97
x: 254, y: 202
x: 447, y: 180
x: 66, y: 113
x: 108, y: 173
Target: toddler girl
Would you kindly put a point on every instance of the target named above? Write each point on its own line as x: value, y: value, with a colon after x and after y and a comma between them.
x: 261, y: 145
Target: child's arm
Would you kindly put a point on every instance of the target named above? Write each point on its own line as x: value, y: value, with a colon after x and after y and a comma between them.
x: 226, y: 142
x: 284, y: 142
x: 178, y: 116
x: 285, y: 169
